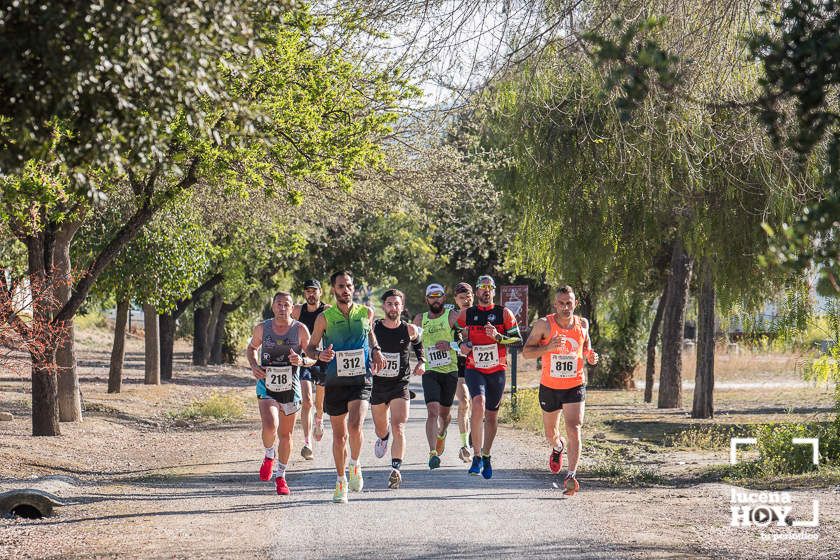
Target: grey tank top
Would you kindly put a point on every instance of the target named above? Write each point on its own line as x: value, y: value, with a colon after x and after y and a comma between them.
x: 275, y: 347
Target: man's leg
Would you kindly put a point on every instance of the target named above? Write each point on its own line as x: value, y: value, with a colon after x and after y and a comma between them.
x: 477, y: 423
x: 380, y: 419
x: 355, y: 421
x: 573, y: 418
x: 269, y: 420
x: 432, y: 422
x: 284, y: 451
x: 551, y: 423
x: 339, y: 431
x: 463, y: 396
x: 306, y: 417
x: 399, y: 417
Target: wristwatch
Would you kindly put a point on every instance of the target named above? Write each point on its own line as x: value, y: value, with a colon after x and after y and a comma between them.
x: 498, y: 337
x: 376, y: 349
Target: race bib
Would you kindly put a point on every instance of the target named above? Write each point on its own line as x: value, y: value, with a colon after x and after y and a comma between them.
x: 278, y: 379
x: 486, y: 355
x: 349, y: 363
x: 563, y: 365
x: 392, y: 364
x: 436, y: 358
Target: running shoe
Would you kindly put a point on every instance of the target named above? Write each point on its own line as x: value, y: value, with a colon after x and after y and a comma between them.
x: 412, y: 395
x: 306, y: 453
x: 395, y: 479
x: 464, y: 454
x: 318, y: 432
x: 475, y: 468
x: 340, y: 494
x: 266, y: 469
x: 357, y: 482
x: 282, y: 487
x: 380, y: 447
x: 487, y: 470
x: 434, y: 460
x: 571, y: 485
x: 440, y: 444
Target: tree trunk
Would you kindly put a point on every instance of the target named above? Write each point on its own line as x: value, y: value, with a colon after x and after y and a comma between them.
x: 215, y: 311
x: 704, y: 377
x: 650, y: 367
x: 69, y: 391
x: 118, y: 350
x: 44, y: 398
x: 201, y: 318
x: 152, y: 345
x: 219, y: 338
x: 166, y: 322
x: 673, y: 324
x: 587, y: 311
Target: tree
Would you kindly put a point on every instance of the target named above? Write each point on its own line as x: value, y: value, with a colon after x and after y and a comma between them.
x: 316, y: 116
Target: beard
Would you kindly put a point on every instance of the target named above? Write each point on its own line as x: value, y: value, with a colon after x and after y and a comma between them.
x: 485, y: 299
x: 343, y: 298
x: 392, y: 315
x: 312, y: 300
x: 436, y: 307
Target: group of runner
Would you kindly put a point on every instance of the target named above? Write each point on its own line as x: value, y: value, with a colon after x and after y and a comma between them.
x: 355, y: 361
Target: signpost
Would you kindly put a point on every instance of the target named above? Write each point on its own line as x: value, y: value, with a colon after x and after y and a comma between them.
x: 515, y: 298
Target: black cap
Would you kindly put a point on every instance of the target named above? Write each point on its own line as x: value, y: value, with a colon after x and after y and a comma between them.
x: 311, y: 283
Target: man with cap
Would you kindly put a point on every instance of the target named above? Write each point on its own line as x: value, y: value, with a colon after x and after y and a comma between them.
x: 306, y: 314
x: 490, y: 328
x: 464, y: 299
x: 440, y: 380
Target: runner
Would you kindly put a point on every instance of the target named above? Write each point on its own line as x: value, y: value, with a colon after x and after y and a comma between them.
x: 352, y: 354
x: 273, y: 354
x: 562, y: 341
x: 390, y: 384
x: 464, y: 299
x: 306, y: 314
x: 441, y: 379
x: 486, y: 352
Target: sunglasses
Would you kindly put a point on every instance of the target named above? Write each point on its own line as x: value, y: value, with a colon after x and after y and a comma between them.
x: 486, y: 287
x: 435, y: 295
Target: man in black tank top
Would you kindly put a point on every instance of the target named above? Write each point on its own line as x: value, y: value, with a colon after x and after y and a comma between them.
x: 306, y: 314
x: 390, y: 384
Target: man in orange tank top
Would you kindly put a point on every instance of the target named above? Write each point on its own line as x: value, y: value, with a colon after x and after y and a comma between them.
x: 562, y: 341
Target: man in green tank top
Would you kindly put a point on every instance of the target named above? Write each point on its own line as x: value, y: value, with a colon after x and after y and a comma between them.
x: 440, y: 380
x: 352, y: 354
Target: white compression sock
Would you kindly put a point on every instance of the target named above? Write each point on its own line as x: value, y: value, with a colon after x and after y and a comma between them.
x: 269, y: 452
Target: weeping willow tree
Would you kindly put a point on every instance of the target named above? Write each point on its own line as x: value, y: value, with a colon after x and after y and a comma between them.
x: 627, y: 187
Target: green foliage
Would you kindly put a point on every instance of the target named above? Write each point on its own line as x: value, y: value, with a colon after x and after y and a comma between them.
x: 635, y: 64
x: 825, y: 368
x: 218, y: 406
x: 115, y: 74
x: 799, y: 105
x: 527, y: 414
x: 622, y: 342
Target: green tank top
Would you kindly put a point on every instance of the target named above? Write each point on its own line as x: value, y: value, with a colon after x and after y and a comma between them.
x: 435, y: 330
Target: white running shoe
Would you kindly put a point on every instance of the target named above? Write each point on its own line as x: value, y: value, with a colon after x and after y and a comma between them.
x: 357, y: 482
x: 380, y: 446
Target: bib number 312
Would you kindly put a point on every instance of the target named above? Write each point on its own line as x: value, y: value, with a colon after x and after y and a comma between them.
x: 350, y: 362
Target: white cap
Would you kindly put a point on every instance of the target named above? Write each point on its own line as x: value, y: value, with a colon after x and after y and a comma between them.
x: 434, y: 289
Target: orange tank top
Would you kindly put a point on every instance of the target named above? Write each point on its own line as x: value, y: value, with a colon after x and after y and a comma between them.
x: 563, y: 369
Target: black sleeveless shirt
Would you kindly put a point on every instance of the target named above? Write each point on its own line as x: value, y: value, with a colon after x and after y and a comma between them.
x: 307, y: 317
x: 395, y: 344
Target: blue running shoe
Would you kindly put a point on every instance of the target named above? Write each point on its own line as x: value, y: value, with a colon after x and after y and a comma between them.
x: 487, y: 471
x: 475, y: 468
x: 434, y: 461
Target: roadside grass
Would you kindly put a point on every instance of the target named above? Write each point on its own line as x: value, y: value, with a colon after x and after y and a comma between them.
x: 223, y: 407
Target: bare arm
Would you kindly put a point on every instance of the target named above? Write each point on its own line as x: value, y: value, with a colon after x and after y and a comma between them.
x: 296, y: 311
x: 252, y: 352
x: 533, y: 346
x: 376, y: 358
x: 311, y: 348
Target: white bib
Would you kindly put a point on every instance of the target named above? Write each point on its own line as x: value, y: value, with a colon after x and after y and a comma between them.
x: 349, y: 363
x: 392, y: 364
x: 278, y: 379
x: 486, y: 355
x: 563, y: 365
x: 436, y: 358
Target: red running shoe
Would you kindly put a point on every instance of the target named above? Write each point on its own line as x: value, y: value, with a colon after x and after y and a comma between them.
x: 266, y: 468
x: 282, y: 487
x: 555, y: 461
